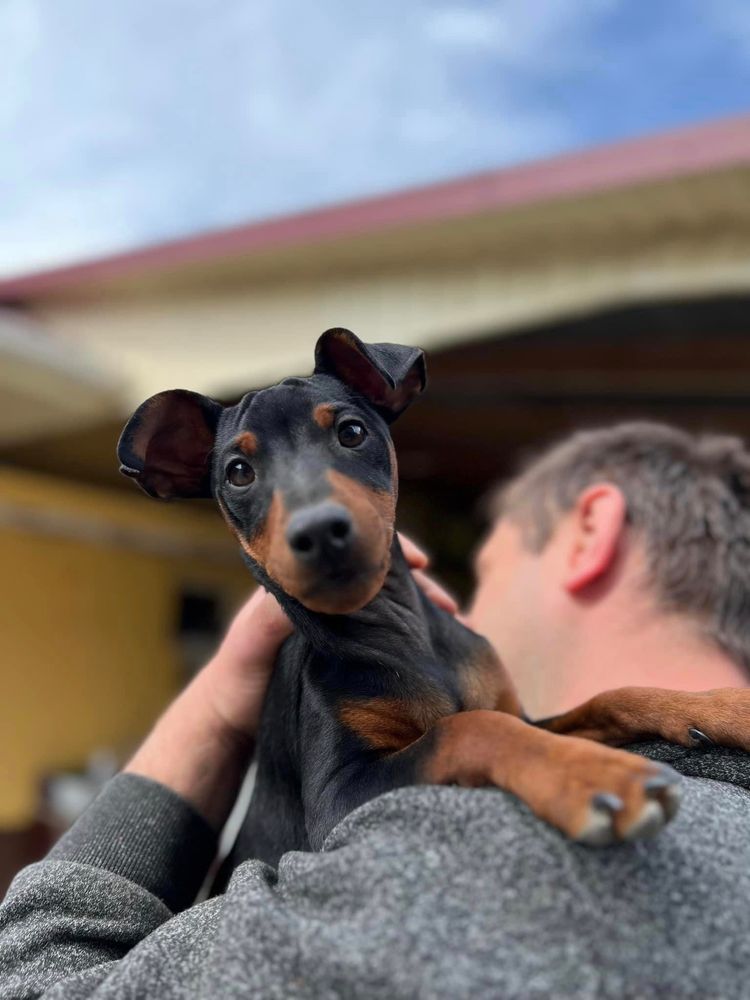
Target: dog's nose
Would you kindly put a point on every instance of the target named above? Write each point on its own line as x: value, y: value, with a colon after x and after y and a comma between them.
x: 316, y: 533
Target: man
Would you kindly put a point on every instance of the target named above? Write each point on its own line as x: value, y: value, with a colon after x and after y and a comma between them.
x: 618, y: 558
x: 622, y: 557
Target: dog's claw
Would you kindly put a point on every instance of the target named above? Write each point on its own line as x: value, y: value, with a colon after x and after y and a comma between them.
x: 665, y: 787
x: 666, y: 778
x: 607, y: 800
x: 699, y: 739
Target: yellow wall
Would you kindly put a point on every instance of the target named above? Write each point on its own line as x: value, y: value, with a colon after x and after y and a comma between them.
x: 89, y: 584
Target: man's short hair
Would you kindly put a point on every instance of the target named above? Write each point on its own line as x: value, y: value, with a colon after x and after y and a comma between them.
x: 687, y: 495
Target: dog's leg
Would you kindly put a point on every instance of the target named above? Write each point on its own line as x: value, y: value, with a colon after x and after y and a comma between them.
x: 592, y: 793
x: 625, y: 715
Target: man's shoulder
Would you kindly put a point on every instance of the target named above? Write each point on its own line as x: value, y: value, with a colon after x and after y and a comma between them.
x: 633, y: 919
x: 415, y: 813
x: 494, y: 836
x: 718, y: 763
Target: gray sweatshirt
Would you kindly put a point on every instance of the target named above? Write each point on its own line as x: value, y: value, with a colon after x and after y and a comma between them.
x: 423, y: 892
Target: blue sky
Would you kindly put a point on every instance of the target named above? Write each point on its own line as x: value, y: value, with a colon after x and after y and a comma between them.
x: 126, y: 123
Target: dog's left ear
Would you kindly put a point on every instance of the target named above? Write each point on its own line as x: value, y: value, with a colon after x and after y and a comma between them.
x: 390, y: 376
x: 166, y: 445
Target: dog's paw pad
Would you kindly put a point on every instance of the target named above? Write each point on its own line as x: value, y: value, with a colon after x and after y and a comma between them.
x: 666, y: 788
x: 649, y: 822
x: 598, y: 830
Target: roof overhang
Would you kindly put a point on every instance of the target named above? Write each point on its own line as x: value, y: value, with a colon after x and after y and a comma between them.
x: 46, y: 384
x: 716, y: 146
x: 641, y: 221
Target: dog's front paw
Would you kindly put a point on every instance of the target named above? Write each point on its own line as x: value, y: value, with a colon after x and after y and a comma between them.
x: 716, y: 718
x: 604, y: 796
x: 698, y: 719
x: 653, y: 803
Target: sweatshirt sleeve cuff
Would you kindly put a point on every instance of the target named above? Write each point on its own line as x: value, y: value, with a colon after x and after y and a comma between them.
x: 143, y: 831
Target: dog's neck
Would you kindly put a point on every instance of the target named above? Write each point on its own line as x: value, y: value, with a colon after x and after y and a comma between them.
x: 389, y: 631
x: 393, y: 629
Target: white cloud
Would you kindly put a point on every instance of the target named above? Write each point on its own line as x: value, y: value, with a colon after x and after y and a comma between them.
x: 127, y: 123
x: 538, y: 37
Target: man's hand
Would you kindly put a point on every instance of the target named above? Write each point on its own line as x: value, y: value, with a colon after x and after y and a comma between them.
x: 419, y: 561
x: 201, y: 746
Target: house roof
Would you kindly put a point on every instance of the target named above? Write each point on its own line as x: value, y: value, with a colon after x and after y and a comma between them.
x: 681, y: 153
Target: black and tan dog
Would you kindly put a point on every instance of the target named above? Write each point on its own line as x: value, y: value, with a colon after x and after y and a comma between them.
x: 378, y: 688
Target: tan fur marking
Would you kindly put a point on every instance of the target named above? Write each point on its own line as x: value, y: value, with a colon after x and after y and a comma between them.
x: 259, y: 546
x: 557, y: 777
x: 324, y: 415
x: 373, y: 513
x: 269, y: 547
x: 363, y: 502
x: 628, y: 714
x: 382, y: 723
x: 485, y: 683
x: 390, y: 724
x: 247, y: 442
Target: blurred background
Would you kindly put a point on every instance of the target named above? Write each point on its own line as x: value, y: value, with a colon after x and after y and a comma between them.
x: 552, y: 197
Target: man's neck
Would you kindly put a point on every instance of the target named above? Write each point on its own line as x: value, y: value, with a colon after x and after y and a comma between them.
x: 665, y: 652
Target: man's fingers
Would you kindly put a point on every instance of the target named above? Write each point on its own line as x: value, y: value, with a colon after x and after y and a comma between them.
x: 418, y: 561
x: 435, y: 592
x: 257, y: 632
x: 415, y: 557
x: 270, y: 618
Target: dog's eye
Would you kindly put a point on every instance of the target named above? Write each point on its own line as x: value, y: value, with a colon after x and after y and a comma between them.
x: 351, y: 434
x: 240, y: 473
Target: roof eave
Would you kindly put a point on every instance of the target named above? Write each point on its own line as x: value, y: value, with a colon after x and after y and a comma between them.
x: 689, y: 151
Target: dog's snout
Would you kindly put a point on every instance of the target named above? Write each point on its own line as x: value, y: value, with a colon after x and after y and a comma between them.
x: 315, y: 533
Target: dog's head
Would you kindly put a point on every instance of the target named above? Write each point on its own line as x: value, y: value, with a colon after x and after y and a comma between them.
x: 304, y: 472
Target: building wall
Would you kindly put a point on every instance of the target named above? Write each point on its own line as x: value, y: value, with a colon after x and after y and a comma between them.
x: 89, y: 598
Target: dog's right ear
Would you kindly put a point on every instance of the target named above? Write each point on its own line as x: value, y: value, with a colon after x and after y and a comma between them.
x: 166, y: 445
x: 390, y: 376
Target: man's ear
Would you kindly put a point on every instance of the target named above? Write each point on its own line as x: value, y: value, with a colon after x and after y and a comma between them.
x: 166, y: 445
x: 599, y: 520
x: 390, y: 376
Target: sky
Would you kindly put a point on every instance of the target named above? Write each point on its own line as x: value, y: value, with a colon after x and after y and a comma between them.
x: 131, y: 122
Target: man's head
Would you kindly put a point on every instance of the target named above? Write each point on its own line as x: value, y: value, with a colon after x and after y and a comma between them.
x: 639, y: 526
x: 304, y: 472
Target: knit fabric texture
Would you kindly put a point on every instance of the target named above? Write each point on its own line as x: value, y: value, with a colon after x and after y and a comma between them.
x: 423, y: 892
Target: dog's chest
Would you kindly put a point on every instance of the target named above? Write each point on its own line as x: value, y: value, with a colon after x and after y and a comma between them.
x: 391, y: 721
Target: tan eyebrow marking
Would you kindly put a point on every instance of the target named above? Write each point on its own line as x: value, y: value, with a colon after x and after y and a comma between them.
x: 324, y: 414
x: 247, y: 442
